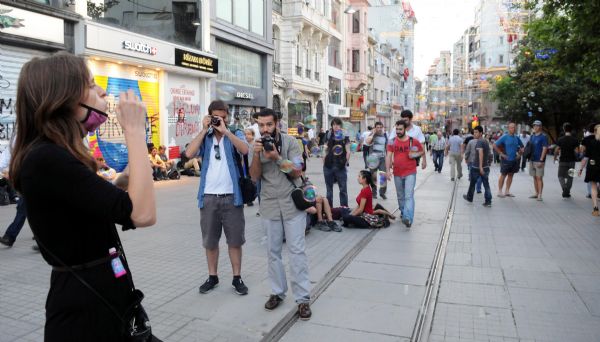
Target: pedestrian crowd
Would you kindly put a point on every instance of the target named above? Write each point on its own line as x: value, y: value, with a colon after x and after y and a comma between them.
x: 92, y: 295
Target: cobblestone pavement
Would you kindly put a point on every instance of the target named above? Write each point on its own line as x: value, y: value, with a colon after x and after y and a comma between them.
x: 522, y: 270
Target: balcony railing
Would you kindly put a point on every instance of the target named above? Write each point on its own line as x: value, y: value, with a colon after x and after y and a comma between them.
x: 307, y: 73
x: 277, y: 6
x: 317, y: 76
x: 276, y: 68
x: 298, y: 71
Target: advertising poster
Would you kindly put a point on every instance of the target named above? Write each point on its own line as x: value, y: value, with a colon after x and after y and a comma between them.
x: 183, y: 109
x: 108, y: 141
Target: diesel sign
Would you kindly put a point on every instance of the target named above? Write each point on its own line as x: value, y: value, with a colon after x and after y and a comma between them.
x: 139, y: 47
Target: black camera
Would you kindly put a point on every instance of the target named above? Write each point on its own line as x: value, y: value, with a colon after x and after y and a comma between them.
x: 214, y: 120
x: 268, y: 142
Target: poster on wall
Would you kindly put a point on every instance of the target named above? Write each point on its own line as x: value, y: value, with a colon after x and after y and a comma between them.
x: 108, y: 141
x: 183, y: 110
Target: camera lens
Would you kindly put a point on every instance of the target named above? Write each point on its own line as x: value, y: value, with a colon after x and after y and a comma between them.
x: 215, y: 121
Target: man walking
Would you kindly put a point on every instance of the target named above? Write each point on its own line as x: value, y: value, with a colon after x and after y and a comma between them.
x: 437, y: 151
x: 567, y: 147
x: 524, y: 137
x: 378, y: 142
x: 336, y: 161
x: 13, y: 230
x: 509, y: 147
x: 480, y: 167
x: 279, y: 214
x: 219, y: 196
x: 539, y: 148
x: 401, y: 156
x: 454, y: 149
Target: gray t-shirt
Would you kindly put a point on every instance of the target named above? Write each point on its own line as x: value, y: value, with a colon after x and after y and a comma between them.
x: 378, y: 144
x: 455, y: 143
x: 482, y: 144
x: 470, y: 151
x: 275, y: 188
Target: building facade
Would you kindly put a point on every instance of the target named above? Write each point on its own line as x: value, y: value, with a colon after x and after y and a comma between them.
x: 30, y: 29
x: 241, y: 37
x: 302, y: 32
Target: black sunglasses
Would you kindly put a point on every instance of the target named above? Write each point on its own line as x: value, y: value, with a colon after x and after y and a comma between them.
x: 217, y: 152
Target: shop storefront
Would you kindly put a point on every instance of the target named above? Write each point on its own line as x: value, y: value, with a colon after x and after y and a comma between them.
x: 171, y: 80
x: 24, y: 35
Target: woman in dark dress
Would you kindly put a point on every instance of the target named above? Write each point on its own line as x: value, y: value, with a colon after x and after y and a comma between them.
x: 591, y: 163
x: 71, y: 210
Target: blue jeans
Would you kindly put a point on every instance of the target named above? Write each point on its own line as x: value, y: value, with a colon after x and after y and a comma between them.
x: 438, y: 159
x: 339, y: 174
x: 405, y: 190
x: 475, y: 177
x: 478, y: 185
x: 15, y: 227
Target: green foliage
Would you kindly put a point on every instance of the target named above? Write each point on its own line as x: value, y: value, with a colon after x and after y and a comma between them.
x: 566, y: 84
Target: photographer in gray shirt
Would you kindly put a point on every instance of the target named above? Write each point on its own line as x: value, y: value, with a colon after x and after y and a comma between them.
x: 274, y: 156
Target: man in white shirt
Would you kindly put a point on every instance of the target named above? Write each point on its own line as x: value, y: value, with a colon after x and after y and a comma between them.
x: 219, y: 197
x: 524, y: 137
x: 414, y: 132
x: 366, y: 147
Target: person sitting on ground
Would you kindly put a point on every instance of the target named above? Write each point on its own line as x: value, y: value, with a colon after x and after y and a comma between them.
x: 190, y: 166
x: 105, y: 171
x: 356, y: 217
x: 159, y: 169
x: 162, y: 153
x: 316, y: 213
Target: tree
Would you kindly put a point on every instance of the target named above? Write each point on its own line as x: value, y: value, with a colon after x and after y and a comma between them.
x: 558, y: 68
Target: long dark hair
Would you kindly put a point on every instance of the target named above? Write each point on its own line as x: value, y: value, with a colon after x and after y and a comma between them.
x: 366, y: 174
x: 48, y: 93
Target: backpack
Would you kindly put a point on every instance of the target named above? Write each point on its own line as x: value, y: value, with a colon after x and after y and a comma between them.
x: 528, y: 153
x: 386, y: 143
x: 173, y: 174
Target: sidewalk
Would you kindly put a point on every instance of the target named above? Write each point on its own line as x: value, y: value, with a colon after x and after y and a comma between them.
x: 378, y: 296
x: 169, y: 265
x: 522, y: 270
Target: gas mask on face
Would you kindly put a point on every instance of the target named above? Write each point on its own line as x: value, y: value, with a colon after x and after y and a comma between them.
x: 94, y: 118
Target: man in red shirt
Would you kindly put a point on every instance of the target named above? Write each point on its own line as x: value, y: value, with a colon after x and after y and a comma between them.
x: 401, y: 154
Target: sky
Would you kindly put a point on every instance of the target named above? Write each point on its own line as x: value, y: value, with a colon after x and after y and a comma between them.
x: 440, y: 23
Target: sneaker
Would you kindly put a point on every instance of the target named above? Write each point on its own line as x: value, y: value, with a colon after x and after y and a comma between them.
x: 250, y: 204
x: 487, y: 204
x: 6, y: 241
x: 406, y: 222
x: 452, y: 179
x: 588, y: 196
x: 304, y: 311
x: 383, y: 196
x: 273, y: 302
x: 334, y: 226
x: 257, y: 214
x: 467, y: 199
x: 209, y: 285
x: 478, y: 191
x: 239, y: 286
x: 539, y: 199
x: 322, y: 225
x: 595, y: 212
x: 374, y: 196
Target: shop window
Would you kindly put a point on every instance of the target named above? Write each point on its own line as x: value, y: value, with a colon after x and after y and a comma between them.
x: 173, y: 21
x: 239, y: 66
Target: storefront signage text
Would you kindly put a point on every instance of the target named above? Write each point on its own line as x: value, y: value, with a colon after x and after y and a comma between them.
x: 244, y: 95
x: 139, y: 47
x: 196, y: 61
x: 357, y: 115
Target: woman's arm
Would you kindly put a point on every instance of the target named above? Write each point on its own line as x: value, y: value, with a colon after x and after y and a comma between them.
x: 131, y: 113
x: 360, y: 209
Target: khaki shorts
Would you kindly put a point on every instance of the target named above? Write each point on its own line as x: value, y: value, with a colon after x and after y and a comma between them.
x: 219, y: 214
x: 536, y: 171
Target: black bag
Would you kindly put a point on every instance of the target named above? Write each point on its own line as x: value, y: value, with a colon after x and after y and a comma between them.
x: 173, y: 174
x: 298, y: 195
x: 528, y: 150
x: 135, y: 322
x: 247, y: 185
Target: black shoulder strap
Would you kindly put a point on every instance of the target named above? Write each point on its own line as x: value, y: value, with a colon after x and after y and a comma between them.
x: 83, y: 282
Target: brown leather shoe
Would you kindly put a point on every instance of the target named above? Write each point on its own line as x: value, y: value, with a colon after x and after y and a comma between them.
x: 304, y: 311
x: 273, y: 302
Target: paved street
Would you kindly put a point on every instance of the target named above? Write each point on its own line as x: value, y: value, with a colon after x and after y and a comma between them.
x: 521, y: 270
